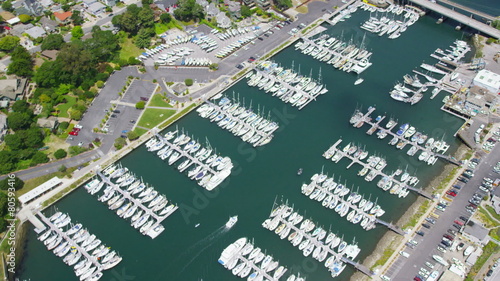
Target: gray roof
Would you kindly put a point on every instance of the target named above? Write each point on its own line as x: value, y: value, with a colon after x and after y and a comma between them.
x: 46, y: 3
x: 179, y: 88
x: 48, y: 24
x: 3, y: 121
x: 10, y: 88
x: 211, y: 9
x: 19, y: 29
x: 96, y: 7
x: 35, y: 32
x: 476, y: 230
x: 88, y: 2
x: 223, y: 21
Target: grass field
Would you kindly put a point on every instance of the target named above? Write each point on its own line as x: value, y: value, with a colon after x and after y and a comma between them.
x: 140, y: 131
x: 129, y: 49
x: 32, y: 183
x: 154, y: 116
x: 158, y: 101
x: 63, y: 107
x: 162, y: 27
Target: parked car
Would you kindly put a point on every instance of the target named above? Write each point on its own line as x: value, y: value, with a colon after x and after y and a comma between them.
x: 426, y: 225
x: 421, y: 233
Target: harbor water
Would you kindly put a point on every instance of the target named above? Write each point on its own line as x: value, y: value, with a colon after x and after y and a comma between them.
x: 267, y: 174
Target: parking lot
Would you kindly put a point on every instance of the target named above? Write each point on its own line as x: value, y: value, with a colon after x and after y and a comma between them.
x: 441, y: 230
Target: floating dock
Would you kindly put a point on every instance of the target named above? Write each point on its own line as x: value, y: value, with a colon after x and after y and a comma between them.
x: 137, y: 203
x: 264, y: 136
x: 349, y: 250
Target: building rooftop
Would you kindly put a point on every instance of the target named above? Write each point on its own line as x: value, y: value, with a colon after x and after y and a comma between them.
x: 39, y: 190
x: 96, y: 7
x: 35, y: 32
x: 476, y: 230
x: 489, y: 79
x: 62, y: 16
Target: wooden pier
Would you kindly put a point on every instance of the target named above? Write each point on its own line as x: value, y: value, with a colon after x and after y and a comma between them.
x: 71, y: 242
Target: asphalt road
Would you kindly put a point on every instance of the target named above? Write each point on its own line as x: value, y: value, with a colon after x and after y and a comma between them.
x: 406, y: 269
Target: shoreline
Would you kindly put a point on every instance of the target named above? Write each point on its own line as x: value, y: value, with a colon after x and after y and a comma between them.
x: 391, y: 240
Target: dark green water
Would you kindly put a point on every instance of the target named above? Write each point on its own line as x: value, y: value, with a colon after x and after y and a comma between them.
x: 184, y: 252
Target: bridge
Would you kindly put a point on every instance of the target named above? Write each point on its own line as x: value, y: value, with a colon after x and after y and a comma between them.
x: 473, y: 23
x: 468, y: 10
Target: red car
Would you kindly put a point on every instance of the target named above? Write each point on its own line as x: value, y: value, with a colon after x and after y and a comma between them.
x: 451, y: 193
x: 74, y: 132
x: 459, y: 222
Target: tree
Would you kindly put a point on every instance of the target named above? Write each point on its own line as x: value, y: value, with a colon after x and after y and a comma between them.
x: 189, y: 10
x: 119, y: 143
x: 188, y: 82
x: 77, y: 32
x: 165, y: 18
x: 143, y: 39
x: 39, y: 158
x: 7, y: 161
x: 21, y: 62
x: 145, y: 17
x: 21, y: 106
x: 33, y: 138
x: 9, y: 42
x: 103, y: 45
x: 14, y: 141
x: 53, y: 41
x: 146, y: 2
x: 74, y: 64
x: 76, y: 18
x: 99, y: 84
x: 16, y: 182
x: 24, y: 18
x: 284, y: 4
x: 132, y: 135
x: 75, y: 114
x: 213, y: 66
x: 66, y: 7
x: 7, y: 6
x: 140, y: 105
x: 18, y: 120
x: 60, y: 154
x: 245, y: 11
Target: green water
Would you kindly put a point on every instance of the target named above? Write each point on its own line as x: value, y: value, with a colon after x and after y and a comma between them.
x: 183, y: 252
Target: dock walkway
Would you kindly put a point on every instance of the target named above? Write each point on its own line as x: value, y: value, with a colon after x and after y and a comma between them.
x: 136, y: 202
x: 264, y: 135
x: 71, y: 242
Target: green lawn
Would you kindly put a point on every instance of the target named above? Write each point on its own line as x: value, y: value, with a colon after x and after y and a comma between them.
x: 488, y: 250
x: 63, y: 107
x: 140, y: 131
x: 158, y: 101
x: 154, y: 116
x: 162, y: 27
x: 129, y: 49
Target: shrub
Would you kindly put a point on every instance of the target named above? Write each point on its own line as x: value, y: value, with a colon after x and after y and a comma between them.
x: 140, y: 105
x: 188, y: 82
x: 132, y: 135
x: 119, y: 143
x: 60, y: 154
x: 17, y: 183
x: 99, y: 84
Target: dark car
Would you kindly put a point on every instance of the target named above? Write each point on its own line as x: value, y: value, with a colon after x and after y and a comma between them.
x: 464, y: 180
x: 449, y: 237
x: 426, y: 225
x: 144, y: 99
x: 421, y: 233
x: 445, y: 243
x: 116, y: 111
x: 451, y: 231
x: 457, y: 226
x: 464, y: 218
x: 467, y: 175
x: 489, y: 273
x: 239, y: 66
x: 260, y: 38
x: 113, y: 115
x: 457, y: 186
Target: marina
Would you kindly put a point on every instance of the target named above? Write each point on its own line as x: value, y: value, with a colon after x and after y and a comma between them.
x: 333, y: 251
x: 341, y: 55
x: 387, y: 24
x: 210, y: 169
x: 75, y: 245
x: 242, y: 258
x: 430, y: 149
x: 146, y: 218
x: 241, y: 121
x: 285, y: 84
x: 373, y: 168
x: 331, y: 194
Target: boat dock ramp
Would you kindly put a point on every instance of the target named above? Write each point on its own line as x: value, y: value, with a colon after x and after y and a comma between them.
x: 312, y: 243
x: 242, y: 122
x: 155, y: 228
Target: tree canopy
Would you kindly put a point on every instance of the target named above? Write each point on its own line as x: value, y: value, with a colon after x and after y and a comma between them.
x: 189, y: 10
x: 245, y: 11
x: 77, y: 32
x: 134, y: 19
x: 76, y: 18
x: 53, y: 41
x: 9, y: 42
x: 283, y: 4
x: 17, y: 183
x: 21, y: 62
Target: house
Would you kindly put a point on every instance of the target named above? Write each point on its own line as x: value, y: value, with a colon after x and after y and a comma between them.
x: 36, y: 32
x: 87, y: 3
x: 46, y: 3
x: 13, y: 20
x: 6, y: 15
x: 223, y: 21
x: 50, y: 123
x: 50, y: 54
x: 29, y: 7
x: 96, y: 8
x: 476, y: 233
x: 3, y: 126
x: 109, y: 3
x: 63, y: 17
x: 211, y: 10
x: 263, y: 3
x: 13, y: 89
x: 48, y: 24
x: 19, y: 29
x: 233, y: 8
x: 495, y: 200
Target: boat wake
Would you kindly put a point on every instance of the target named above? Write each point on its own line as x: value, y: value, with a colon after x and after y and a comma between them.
x: 199, y: 247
